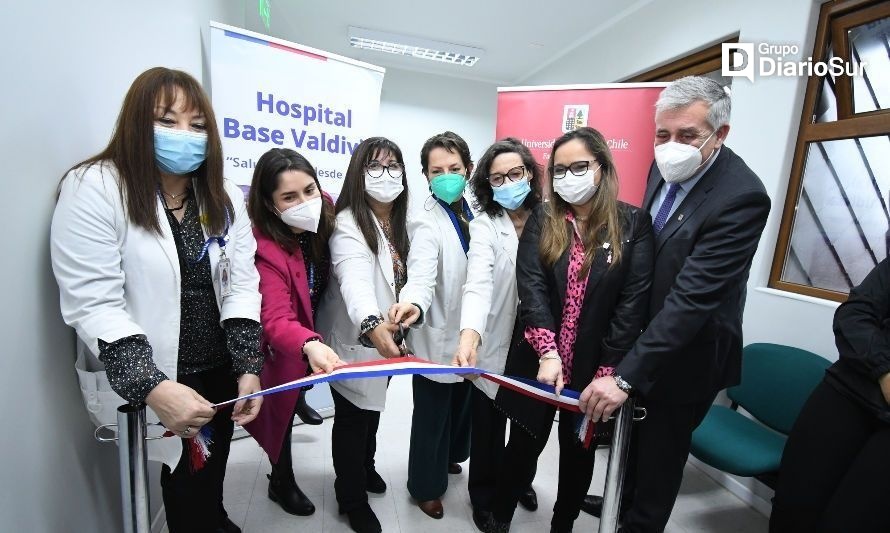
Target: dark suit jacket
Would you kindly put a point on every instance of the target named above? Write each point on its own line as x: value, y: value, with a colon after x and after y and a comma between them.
x: 692, y: 347
x: 613, y: 311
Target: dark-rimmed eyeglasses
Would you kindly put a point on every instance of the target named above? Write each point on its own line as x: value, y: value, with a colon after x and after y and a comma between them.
x: 577, y: 168
x: 514, y: 174
x: 375, y: 169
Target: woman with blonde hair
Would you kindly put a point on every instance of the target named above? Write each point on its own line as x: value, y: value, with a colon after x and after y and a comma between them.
x: 583, y: 271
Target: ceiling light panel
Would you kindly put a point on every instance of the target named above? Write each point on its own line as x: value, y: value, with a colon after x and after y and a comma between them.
x: 394, y: 43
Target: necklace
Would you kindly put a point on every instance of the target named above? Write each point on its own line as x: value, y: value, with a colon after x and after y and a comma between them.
x: 175, y: 196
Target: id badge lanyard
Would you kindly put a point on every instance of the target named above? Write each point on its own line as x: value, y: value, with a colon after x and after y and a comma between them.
x: 454, y: 222
x: 224, y: 266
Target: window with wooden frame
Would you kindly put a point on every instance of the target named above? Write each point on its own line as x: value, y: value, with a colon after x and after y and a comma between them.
x: 705, y: 62
x: 836, y: 223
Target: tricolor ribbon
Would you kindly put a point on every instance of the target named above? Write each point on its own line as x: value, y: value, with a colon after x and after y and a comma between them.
x: 399, y: 366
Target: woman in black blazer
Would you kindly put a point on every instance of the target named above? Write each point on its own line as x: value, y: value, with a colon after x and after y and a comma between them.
x: 584, y: 269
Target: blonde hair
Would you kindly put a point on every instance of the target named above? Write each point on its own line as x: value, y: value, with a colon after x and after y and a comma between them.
x: 603, y: 222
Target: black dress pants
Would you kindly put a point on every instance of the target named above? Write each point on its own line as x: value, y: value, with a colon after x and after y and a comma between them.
x: 193, y: 500
x: 520, y: 463
x: 835, y: 473
x: 487, y: 443
x: 353, y: 446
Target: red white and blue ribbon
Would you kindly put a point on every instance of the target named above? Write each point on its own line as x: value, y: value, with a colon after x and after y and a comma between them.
x: 567, y: 399
x: 198, y: 447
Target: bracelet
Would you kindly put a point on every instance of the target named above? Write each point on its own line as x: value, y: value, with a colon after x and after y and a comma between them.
x: 548, y: 357
x: 625, y: 387
x: 370, y: 323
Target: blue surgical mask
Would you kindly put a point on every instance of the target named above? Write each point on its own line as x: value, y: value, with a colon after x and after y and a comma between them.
x: 511, y: 194
x: 179, y: 151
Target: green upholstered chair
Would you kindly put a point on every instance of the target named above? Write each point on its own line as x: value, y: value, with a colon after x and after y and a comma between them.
x: 776, y: 382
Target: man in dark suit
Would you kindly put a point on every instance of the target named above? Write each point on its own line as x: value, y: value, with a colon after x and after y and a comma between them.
x: 709, y: 210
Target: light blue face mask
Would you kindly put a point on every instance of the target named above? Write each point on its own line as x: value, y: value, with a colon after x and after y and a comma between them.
x: 179, y: 151
x: 511, y: 195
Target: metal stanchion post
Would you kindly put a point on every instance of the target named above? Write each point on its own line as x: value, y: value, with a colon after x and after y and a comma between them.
x: 133, y: 465
x: 615, y: 470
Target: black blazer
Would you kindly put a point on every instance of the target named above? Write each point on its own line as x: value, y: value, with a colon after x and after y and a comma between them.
x: 613, y: 311
x: 692, y: 347
x: 862, y: 335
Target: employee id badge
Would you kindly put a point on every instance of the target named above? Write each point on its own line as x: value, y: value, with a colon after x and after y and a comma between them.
x: 224, y: 271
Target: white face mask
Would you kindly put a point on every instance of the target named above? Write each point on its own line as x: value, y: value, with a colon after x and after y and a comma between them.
x: 678, y: 162
x: 304, y: 216
x: 384, y: 189
x: 576, y: 190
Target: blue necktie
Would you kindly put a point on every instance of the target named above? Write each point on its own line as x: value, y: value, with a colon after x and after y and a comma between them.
x: 665, y: 209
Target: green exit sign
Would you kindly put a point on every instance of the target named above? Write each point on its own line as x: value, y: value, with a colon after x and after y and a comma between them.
x: 265, y: 9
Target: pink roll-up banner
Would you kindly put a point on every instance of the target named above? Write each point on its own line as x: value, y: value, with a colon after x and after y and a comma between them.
x: 623, y: 112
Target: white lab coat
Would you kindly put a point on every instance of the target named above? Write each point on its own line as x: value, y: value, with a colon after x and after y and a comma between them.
x: 437, y: 270
x: 117, y: 279
x: 362, y: 284
x: 490, y: 297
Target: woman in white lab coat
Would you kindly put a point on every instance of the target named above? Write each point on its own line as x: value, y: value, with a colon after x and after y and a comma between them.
x: 153, y: 253
x: 369, y: 250
x: 506, y: 186
x: 437, y: 267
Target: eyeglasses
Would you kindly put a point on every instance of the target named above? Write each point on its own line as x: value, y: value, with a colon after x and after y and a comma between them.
x: 376, y: 168
x: 577, y: 168
x: 514, y: 174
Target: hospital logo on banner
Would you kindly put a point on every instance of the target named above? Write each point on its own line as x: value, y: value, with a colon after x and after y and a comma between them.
x: 574, y: 116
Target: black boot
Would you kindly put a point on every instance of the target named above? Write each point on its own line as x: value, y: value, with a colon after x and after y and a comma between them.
x: 374, y: 483
x: 283, y: 490
x: 307, y: 414
x: 529, y: 499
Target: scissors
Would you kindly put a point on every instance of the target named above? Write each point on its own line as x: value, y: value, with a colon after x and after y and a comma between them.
x: 399, y: 339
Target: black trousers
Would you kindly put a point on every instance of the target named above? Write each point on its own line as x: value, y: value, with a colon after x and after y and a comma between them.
x: 487, y: 443
x: 520, y: 462
x: 353, y: 446
x: 659, y: 450
x: 193, y: 501
x: 440, y: 434
x: 835, y: 473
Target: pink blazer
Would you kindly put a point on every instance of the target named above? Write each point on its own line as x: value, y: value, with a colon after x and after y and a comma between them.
x: 286, y: 316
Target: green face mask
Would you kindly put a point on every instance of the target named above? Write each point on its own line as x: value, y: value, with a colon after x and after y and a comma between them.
x: 448, y: 187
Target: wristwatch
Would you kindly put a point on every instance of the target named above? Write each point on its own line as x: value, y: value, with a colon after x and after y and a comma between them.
x: 623, y: 385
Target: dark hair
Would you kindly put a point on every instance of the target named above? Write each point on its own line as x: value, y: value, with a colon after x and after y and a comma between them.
x: 353, y: 195
x: 260, y: 206
x: 481, y: 187
x: 450, y: 141
x: 132, y: 151
x: 603, y: 221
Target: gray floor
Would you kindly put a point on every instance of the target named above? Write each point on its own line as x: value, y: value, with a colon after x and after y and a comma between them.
x: 703, y: 506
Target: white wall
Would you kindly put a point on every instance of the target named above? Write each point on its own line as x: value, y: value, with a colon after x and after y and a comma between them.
x: 67, y: 66
x: 416, y: 106
x: 765, y: 118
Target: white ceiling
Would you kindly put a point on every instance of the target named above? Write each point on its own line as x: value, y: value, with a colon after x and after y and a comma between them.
x: 519, y: 37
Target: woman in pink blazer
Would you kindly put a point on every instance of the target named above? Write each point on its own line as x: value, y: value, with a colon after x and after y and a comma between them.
x: 293, y: 220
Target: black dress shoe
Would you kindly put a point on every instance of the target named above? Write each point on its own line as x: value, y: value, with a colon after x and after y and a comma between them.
x: 529, y: 500
x: 454, y: 468
x: 593, y: 505
x: 284, y: 491
x: 481, y: 518
x: 374, y: 483
x: 363, y: 520
x: 307, y: 414
x: 493, y: 526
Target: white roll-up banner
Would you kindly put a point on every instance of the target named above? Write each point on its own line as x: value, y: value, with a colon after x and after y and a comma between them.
x: 270, y: 93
